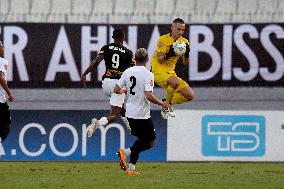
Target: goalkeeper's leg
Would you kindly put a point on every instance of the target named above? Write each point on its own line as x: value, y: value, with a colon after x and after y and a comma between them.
x: 183, y: 93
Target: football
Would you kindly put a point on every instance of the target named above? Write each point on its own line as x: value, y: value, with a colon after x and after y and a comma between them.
x: 179, y: 47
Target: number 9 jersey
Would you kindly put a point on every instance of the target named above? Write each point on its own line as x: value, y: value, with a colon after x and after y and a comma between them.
x: 117, y: 59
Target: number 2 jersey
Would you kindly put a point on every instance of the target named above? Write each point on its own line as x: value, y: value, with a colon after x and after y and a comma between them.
x: 117, y: 59
x: 137, y: 80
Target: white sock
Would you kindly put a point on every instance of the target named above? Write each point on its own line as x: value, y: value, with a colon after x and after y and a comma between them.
x: 127, y: 151
x: 0, y: 139
x: 131, y: 167
x: 103, y: 121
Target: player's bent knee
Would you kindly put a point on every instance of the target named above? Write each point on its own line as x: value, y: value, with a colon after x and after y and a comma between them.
x: 112, y: 118
x: 4, y: 132
x: 189, y: 96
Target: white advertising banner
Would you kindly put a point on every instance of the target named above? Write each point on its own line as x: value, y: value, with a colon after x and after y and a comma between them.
x: 212, y: 135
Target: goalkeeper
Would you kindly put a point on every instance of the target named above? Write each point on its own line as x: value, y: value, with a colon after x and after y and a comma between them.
x: 163, y: 67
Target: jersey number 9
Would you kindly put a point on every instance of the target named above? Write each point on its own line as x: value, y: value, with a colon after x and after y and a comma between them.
x: 115, y: 61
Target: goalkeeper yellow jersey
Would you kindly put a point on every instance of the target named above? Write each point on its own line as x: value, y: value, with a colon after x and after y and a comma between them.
x: 163, y: 45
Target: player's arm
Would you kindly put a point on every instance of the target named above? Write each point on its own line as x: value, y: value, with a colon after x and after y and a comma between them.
x: 4, y: 85
x: 185, y: 57
x: 162, y: 56
x: 119, y: 90
x: 162, y: 52
x: 149, y: 85
x: 91, y: 67
x: 152, y: 98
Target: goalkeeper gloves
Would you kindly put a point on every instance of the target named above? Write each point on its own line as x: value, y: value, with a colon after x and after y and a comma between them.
x: 186, y: 55
x: 170, y: 53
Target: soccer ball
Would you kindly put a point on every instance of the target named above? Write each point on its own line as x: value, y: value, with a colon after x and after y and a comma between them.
x: 179, y: 48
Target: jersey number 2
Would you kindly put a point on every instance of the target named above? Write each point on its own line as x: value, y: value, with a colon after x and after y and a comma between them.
x: 115, y: 61
x: 133, y: 81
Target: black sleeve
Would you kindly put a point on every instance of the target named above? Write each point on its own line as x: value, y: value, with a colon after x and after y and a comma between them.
x: 102, y: 50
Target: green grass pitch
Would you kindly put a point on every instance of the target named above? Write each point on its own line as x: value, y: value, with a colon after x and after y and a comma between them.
x: 154, y: 175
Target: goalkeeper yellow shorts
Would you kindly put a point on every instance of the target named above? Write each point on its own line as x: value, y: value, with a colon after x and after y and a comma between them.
x: 161, y: 80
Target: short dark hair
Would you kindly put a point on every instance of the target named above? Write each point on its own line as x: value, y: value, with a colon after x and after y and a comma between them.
x: 178, y: 20
x: 141, y: 55
x: 118, y: 34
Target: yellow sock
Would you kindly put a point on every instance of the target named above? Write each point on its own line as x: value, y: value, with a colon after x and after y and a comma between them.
x: 170, y: 93
x: 178, y: 98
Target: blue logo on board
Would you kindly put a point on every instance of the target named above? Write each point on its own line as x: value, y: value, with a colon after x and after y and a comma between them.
x: 233, y: 135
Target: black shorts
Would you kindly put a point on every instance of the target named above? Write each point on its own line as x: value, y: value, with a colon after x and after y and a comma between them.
x: 143, y: 129
x: 5, y: 118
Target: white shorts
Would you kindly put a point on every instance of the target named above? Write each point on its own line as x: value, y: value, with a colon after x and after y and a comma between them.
x: 114, y: 99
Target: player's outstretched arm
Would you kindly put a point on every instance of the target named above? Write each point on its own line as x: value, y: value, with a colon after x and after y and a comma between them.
x: 152, y: 98
x: 91, y: 67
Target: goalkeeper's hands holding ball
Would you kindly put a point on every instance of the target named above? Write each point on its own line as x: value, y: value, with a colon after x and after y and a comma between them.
x: 170, y: 53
